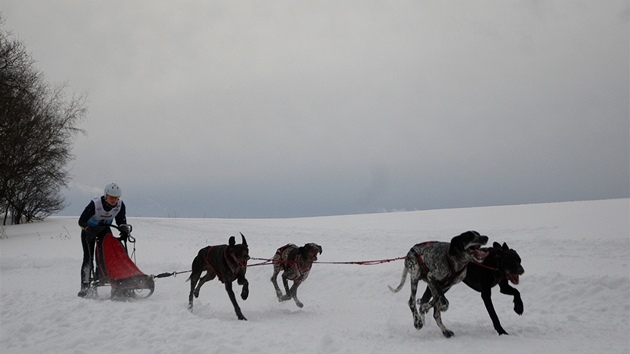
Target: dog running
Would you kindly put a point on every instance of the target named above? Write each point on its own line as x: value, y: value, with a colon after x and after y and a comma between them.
x: 295, y: 264
x: 228, y: 263
x: 502, y: 266
x: 441, y: 265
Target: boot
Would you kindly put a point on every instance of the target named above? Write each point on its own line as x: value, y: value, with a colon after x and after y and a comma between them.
x: 84, y: 290
x: 98, y: 278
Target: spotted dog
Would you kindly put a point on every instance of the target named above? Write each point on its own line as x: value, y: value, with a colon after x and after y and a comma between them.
x: 441, y: 265
x: 228, y: 263
x: 295, y: 263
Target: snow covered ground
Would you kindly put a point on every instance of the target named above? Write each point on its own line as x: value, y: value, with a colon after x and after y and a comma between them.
x: 575, y: 287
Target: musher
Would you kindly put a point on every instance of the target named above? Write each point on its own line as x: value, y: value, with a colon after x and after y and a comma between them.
x: 101, y: 211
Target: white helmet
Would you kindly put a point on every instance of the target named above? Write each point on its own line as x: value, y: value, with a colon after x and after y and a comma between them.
x: 113, y: 190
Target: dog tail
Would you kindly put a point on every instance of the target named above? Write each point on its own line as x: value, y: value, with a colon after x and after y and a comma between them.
x: 402, y: 281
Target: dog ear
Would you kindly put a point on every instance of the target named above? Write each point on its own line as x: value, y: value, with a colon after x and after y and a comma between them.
x: 496, y: 245
x: 232, y: 241
x: 505, y: 246
x: 458, y: 243
x: 243, y: 240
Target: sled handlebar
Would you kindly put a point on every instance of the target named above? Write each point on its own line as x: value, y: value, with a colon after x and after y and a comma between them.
x: 124, y: 228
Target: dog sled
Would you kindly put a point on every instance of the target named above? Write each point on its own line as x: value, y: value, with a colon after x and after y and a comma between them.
x: 116, y: 276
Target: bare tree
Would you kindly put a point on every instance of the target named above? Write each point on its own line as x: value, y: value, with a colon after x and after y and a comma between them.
x: 37, y: 127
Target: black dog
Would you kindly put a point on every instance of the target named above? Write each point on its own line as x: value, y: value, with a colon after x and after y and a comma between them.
x: 503, y: 264
x: 441, y: 265
x: 295, y: 263
x: 228, y: 263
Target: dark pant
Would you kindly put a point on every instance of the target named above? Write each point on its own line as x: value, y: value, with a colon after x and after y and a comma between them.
x: 88, y: 241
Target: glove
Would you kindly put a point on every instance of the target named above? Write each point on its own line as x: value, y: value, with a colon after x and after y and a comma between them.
x: 125, y: 230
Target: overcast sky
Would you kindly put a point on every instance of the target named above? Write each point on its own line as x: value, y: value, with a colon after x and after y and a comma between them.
x: 302, y: 108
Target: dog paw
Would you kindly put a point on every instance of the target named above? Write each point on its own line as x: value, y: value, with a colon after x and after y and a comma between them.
x: 418, y: 321
x: 518, y: 307
x: 424, y: 308
x: 448, y: 333
x: 443, y: 305
x: 299, y: 304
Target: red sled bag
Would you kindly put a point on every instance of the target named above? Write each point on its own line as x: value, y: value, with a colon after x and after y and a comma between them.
x: 118, y: 269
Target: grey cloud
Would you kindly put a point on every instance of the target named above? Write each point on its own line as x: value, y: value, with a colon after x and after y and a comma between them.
x: 318, y: 108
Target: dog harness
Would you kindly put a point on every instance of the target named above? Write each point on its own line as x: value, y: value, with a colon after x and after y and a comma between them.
x: 301, y: 272
x: 283, y: 248
x: 234, y: 270
x: 452, y: 273
x: 419, y: 257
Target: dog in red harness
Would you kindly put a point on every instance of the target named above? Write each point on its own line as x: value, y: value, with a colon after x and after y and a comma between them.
x: 441, y: 265
x: 295, y: 263
x: 226, y: 262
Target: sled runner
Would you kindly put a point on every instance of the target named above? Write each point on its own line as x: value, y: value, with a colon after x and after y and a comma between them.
x: 115, y: 270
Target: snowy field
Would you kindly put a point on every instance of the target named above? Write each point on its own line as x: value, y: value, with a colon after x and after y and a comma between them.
x: 575, y: 287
